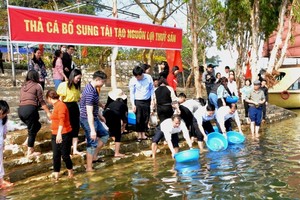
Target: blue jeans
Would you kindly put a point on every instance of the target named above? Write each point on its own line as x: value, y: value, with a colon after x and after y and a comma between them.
x: 213, y: 99
x: 101, y: 132
x: 56, y: 83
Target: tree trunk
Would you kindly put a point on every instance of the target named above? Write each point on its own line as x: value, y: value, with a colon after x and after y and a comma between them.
x: 278, y: 40
x: 255, y: 39
x: 287, y: 39
x: 194, y: 33
x: 150, y: 57
x: 114, y: 53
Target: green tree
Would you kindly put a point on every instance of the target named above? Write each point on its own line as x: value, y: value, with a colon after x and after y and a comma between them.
x: 200, y: 15
x: 245, y: 23
x: 158, y: 12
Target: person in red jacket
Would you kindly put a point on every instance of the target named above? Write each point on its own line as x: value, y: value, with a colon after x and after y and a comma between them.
x: 172, y: 78
x: 61, y: 139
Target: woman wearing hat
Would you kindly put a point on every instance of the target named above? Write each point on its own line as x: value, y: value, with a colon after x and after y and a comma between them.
x: 113, y: 95
x: 116, y: 117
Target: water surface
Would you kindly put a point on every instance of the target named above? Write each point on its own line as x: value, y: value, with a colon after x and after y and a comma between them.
x: 267, y: 167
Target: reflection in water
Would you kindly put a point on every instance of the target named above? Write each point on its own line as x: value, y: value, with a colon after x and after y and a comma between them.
x: 262, y: 168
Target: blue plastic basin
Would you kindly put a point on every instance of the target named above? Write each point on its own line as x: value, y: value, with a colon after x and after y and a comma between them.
x: 187, y: 155
x: 232, y: 99
x: 131, y: 118
x: 235, y: 137
x: 216, y: 142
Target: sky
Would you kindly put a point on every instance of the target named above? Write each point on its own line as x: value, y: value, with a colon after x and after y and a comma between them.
x: 178, y: 18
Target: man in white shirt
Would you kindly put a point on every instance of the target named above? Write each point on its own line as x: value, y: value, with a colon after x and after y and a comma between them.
x: 204, y: 116
x: 141, y: 90
x: 224, y: 115
x: 170, y: 128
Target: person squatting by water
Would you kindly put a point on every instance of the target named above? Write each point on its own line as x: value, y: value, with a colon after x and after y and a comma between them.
x: 204, y: 116
x: 96, y: 135
x: 170, y: 128
x: 224, y: 116
x: 61, y: 134
x: 4, y: 111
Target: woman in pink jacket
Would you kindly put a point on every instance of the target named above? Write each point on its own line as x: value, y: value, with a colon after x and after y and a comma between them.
x: 58, y: 73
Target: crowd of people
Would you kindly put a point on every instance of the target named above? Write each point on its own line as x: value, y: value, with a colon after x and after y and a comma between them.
x: 73, y: 107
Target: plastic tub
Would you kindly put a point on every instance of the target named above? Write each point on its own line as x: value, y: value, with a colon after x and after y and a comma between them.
x: 187, y: 155
x: 235, y: 137
x: 131, y: 118
x: 216, y: 142
x: 232, y: 99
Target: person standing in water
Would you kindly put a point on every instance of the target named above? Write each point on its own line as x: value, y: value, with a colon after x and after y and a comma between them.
x: 61, y: 128
x: 255, y: 100
x: 96, y: 135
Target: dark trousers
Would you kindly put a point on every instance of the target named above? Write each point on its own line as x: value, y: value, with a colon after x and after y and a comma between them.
x: 188, y: 118
x: 264, y: 110
x: 227, y: 124
x: 113, y: 121
x: 30, y: 116
x: 63, y: 151
x: 208, y: 128
x: 1, y: 65
x: 159, y: 135
x: 164, y: 112
x: 142, y: 114
x: 74, y: 118
x: 246, y: 107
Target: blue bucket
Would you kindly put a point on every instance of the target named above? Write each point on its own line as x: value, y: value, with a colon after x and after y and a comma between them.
x: 232, y: 99
x: 131, y: 118
x: 187, y: 155
x: 216, y: 142
x: 235, y: 137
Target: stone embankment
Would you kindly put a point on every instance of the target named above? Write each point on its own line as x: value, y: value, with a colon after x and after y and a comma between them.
x: 18, y: 167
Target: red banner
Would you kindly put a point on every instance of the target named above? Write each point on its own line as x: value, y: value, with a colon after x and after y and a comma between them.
x: 41, y: 26
x: 174, y: 59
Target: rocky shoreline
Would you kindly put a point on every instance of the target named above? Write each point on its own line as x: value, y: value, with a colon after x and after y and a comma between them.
x: 18, y: 167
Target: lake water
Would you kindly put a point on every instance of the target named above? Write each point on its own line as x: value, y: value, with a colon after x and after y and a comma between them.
x: 267, y: 167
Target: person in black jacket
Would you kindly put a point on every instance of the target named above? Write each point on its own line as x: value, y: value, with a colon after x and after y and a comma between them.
x: 67, y: 60
x: 116, y: 120
x: 265, y: 89
x: 164, y: 69
x: 208, y: 77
